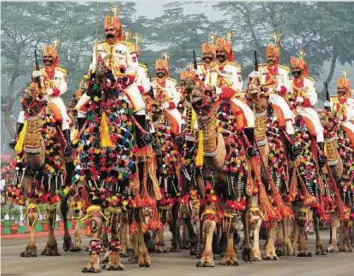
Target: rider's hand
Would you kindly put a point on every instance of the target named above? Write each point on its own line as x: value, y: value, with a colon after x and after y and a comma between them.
x: 254, y: 74
x: 165, y: 105
x: 36, y: 74
x: 49, y: 91
x: 299, y: 99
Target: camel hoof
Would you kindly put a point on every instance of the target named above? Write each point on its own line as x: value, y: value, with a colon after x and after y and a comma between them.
x: 175, y: 249
x: 28, y: 254
x: 75, y: 248
x: 90, y: 270
x: 111, y: 267
x: 267, y: 258
x: 246, y: 254
x: 275, y: 258
x: 205, y: 264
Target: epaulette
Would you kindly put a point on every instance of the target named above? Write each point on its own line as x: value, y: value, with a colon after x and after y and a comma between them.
x: 143, y: 66
x: 63, y: 70
x: 284, y: 67
x: 333, y: 98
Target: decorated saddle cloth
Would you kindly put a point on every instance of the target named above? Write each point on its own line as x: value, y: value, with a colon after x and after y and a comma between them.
x: 39, y: 139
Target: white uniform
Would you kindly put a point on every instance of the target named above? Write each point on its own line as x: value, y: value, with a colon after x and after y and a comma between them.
x: 308, y: 101
x: 55, y: 87
x: 228, y: 75
x: 345, y: 110
x: 276, y: 83
x: 114, y: 56
x: 165, y: 93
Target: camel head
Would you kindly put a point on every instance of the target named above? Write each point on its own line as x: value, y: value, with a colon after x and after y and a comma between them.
x: 255, y: 96
x: 199, y: 96
x: 32, y: 99
x: 328, y: 121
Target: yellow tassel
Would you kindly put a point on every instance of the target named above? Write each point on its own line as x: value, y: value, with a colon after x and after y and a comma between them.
x: 199, y: 162
x: 104, y: 129
x: 21, y: 139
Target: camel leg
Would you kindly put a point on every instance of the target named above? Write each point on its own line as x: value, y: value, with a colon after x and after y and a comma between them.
x: 295, y: 245
x: 207, y: 258
x: 287, y: 225
x: 64, y: 208
x: 51, y: 249
x: 246, y: 253
x: 303, y: 252
x: 184, y: 243
x: 230, y: 257
x: 124, y: 239
x: 31, y: 249
x: 144, y: 259
x: 77, y: 238
x: 192, y: 236
x: 96, y: 245
x: 345, y: 240
x: 256, y: 222
x: 175, y: 229
x: 114, y: 246
x: 159, y: 242
x: 270, y: 253
x: 319, y: 246
x: 333, y: 246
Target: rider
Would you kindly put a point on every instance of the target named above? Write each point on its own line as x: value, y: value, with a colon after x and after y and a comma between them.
x: 343, y: 105
x: 53, y: 80
x: 304, y: 92
x: 208, y: 55
x: 274, y: 79
x: 225, y: 78
x: 165, y: 93
x: 142, y: 78
x: 116, y: 55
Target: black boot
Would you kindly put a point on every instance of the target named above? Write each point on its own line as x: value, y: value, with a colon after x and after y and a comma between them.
x: 322, y: 159
x: 68, y: 149
x: 143, y: 139
x: 80, y: 123
x: 251, y: 151
x: 13, y: 142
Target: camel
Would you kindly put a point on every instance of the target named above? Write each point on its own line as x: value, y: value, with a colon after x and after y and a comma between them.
x: 335, y: 171
x: 222, y: 184
x: 115, y: 173
x: 271, y: 142
x: 41, y: 164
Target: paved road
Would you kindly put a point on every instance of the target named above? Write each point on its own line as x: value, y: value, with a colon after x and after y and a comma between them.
x: 181, y: 264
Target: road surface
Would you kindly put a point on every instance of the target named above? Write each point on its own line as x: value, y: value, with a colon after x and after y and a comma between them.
x: 180, y: 264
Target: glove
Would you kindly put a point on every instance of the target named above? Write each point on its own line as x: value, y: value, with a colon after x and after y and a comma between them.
x: 49, y: 91
x: 36, y: 74
x: 299, y: 99
x: 254, y: 74
x: 165, y: 105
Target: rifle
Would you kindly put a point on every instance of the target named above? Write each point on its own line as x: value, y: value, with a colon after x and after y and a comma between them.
x: 327, y: 93
x: 255, y: 61
x: 195, y: 61
x: 38, y: 79
x: 328, y: 100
